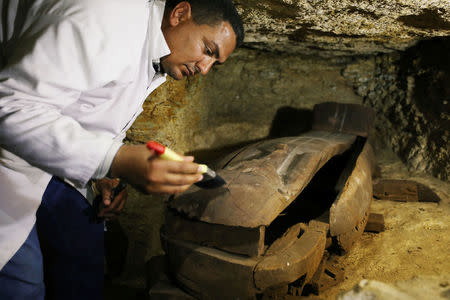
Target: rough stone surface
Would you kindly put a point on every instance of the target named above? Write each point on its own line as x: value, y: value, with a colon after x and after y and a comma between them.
x: 403, y: 290
x: 411, y: 93
x: 345, y: 27
x: 252, y: 96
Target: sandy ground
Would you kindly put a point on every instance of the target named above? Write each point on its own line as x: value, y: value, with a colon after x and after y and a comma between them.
x: 413, y: 252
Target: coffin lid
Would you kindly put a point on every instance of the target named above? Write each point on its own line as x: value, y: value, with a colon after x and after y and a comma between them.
x: 265, y: 177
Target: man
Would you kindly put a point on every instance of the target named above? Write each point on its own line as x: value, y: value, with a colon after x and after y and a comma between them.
x: 74, y: 76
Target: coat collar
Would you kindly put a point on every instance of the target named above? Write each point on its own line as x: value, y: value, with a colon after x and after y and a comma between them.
x: 157, y: 44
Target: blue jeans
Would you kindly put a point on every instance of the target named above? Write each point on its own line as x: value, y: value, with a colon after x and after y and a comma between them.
x: 64, y: 250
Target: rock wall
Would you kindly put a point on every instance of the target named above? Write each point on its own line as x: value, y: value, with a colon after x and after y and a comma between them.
x: 342, y: 27
x: 410, y: 91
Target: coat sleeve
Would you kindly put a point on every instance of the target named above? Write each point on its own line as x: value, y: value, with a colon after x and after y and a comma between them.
x: 48, y: 68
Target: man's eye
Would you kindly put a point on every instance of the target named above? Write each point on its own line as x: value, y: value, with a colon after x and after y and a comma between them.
x: 208, y: 51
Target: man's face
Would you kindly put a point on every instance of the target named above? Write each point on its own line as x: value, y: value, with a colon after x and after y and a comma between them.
x: 196, y: 48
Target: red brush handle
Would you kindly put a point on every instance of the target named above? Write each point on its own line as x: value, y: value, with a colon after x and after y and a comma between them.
x: 157, y: 147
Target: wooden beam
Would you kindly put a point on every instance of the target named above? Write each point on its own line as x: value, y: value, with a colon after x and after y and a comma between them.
x: 403, y: 191
x: 238, y: 240
x: 375, y: 223
x: 350, y: 211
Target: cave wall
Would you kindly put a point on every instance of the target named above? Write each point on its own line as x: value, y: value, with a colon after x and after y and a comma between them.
x: 410, y: 92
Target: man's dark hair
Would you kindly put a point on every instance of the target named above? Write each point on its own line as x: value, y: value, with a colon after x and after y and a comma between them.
x: 213, y: 12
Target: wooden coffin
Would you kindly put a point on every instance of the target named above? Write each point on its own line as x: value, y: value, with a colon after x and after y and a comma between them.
x: 262, y: 180
x: 219, y: 242
x: 208, y: 273
x: 350, y: 211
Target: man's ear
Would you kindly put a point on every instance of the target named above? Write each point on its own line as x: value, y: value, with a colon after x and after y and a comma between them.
x: 180, y: 13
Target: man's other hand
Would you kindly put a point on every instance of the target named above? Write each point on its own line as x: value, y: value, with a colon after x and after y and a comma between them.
x: 142, y: 168
x: 110, y: 207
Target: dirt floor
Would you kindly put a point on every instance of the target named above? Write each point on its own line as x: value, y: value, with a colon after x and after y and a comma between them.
x: 412, y: 253
x: 414, y: 250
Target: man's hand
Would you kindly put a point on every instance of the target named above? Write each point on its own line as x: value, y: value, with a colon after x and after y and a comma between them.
x: 142, y: 168
x: 110, y: 208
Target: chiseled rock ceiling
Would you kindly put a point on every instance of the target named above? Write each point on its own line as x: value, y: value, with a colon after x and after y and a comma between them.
x: 342, y: 27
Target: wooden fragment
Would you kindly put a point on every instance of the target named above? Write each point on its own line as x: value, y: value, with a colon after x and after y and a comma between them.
x: 208, y: 273
x: 375, y: 223
x: 238, y: 240
x: 325, y: 277
x: 403, y: 191
x: 343, y: 117
x: 396, y: 190
x: 330, y: 277
x: 287, y: 239
x: 350, y: 211
x: 262, y: 181
x: 275, y: 293
x: 313, y: 286
x: 301, y: 258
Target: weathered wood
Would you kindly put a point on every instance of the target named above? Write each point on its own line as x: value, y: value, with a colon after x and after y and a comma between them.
x: 325, y: 277
x: 301, y: 258
x: 396, y: 190
x: 287, y: 239
x: 331, y: 276
x: 350, y: 211
x: 403, y: 191
x: 313, y: 286
x: 239, y: 240
x: 208, y: 273
x: 262, y: 181
x: 342, y: 117
x: 165, y: 290
x: 375, y: 223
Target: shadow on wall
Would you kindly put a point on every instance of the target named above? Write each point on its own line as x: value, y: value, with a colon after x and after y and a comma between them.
x: 288, y: 121
x: 429, y: 63
x: 425, y: 70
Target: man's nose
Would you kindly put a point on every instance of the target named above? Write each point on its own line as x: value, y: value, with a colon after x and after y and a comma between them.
x: 205, y: 65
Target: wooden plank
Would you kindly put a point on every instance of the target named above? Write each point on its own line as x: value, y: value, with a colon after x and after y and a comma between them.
x: 403, y: 191
x: 375, y: 223
x: 343, y: 117
x: 396, y: 190
x: 326, y: 277
x: 238, y: 240
x: 262, y: 181
x: 301, y: 258
x: 287, y: 239
x: 350, y: 211
x: 208, y: 273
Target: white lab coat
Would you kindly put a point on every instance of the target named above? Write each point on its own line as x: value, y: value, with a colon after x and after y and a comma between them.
x: 74, y: 76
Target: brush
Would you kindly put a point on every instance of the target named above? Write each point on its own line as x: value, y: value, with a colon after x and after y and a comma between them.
x: 210, y: 178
